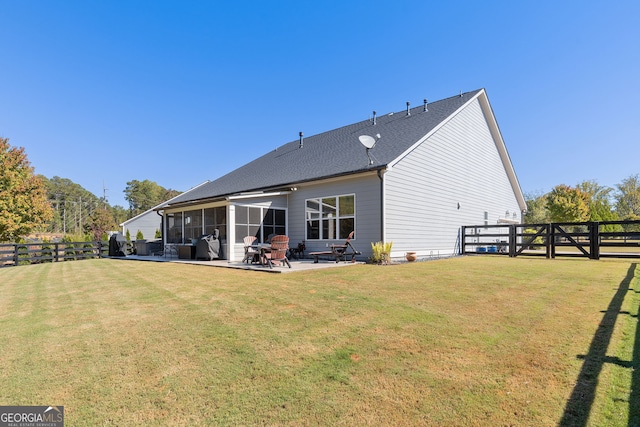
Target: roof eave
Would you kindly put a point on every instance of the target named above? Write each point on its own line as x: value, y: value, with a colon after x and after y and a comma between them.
x: 271, y: 190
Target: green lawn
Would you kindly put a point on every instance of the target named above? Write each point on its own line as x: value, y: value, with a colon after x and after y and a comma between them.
x: 488, y: 341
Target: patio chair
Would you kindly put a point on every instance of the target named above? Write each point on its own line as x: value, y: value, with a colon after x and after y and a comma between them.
x: 339, y: 251
x: 278, y: 252
x: 251, y: 253
x: 170, y: 250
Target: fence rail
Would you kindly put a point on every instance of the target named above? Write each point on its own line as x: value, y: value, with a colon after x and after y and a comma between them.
x: 593, y: 240
x: 13, y: 254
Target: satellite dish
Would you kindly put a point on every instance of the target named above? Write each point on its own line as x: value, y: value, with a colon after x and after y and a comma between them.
x: 367, y: 141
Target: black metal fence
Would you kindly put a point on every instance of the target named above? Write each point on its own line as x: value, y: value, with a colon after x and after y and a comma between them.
x: 12, y: 254
x: 582, y: 239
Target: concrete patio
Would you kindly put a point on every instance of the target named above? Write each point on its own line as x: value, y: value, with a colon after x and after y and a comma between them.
x: 296, y: 265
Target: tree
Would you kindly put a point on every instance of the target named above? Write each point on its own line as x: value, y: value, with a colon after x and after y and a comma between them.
x: 599, y: 201
x: 628, y: 198
x: 119, y: 213
x: 567, y: 204
x: 537, y: 212
x: 73, y: 204
x: 144, y: 195
x: 101, y: 222
x: 23, y: 198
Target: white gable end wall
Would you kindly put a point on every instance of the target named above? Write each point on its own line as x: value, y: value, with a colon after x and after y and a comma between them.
x: 449, y: 180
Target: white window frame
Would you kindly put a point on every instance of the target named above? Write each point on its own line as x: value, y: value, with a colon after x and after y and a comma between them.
x: 320, y: 217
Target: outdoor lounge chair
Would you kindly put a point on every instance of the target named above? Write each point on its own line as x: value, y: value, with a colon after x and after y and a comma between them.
x: 278, y: 251
x: 339, y: 251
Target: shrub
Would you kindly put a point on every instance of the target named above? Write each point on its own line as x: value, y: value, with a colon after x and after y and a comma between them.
x: 381, y: 252
x: 139, y: 235
x: 47, y: 251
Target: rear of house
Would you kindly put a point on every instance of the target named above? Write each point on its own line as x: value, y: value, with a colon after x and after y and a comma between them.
x: 432, y: 169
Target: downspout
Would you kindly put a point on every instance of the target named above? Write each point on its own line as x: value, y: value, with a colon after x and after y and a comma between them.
x: 381, y: 178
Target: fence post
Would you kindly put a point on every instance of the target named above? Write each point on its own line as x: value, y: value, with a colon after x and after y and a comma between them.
x: 15, y: 254
x: 463, y: 241
x: 551, y: 242
x: 512, y: 240
x: 594, y: 239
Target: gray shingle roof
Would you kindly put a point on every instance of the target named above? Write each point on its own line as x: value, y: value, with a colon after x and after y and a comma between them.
x: 333, y: 153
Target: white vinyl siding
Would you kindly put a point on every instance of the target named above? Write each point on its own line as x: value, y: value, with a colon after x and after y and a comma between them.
x: 449, y: 180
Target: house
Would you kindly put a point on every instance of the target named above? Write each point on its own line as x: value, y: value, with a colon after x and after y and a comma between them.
x: 429, y: 170
x: 150, y: 221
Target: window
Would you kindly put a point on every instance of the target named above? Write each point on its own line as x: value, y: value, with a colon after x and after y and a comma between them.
x: 274, y: 222
x: 259, y: 222
x: 330, y: 218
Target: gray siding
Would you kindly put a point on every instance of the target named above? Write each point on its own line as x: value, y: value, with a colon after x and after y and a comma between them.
x: 147, y: 223
x: 459, y: 165
x: 366, y: 188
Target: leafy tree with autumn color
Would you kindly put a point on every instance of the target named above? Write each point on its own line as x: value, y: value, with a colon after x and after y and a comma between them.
x: 568, y: 204
x: 23, y: 197
x: 101, y: 222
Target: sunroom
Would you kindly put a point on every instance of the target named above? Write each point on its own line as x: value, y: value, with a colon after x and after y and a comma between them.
x: 235, y: 217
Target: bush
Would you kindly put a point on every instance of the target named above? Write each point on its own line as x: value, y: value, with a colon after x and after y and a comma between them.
x: 381, y: 252
x: 69, y: 248
x: 139, y: 235
x: 47, y: 251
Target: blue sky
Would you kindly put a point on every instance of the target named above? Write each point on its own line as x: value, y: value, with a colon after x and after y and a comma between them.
x: 179, y: 92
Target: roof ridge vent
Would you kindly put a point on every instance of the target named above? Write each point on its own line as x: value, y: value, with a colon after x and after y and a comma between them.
x: 301, y: 140
x: 425, y: 109
x: 408, y: 110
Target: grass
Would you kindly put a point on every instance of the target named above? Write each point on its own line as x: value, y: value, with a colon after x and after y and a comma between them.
x: 467, y: 341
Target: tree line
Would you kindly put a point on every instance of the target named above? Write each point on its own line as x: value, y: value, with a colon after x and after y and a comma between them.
x: 33, y: 203
x: 587, y: 201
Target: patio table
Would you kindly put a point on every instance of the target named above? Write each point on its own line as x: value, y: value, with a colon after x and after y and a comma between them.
x: 263, y: 248
x: 186, y: 251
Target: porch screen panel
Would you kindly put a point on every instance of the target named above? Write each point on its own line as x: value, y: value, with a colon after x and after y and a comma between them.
x: 192, y: 224
x: 248, y: 222
x: 216, y: 218
x: 174, y: 227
